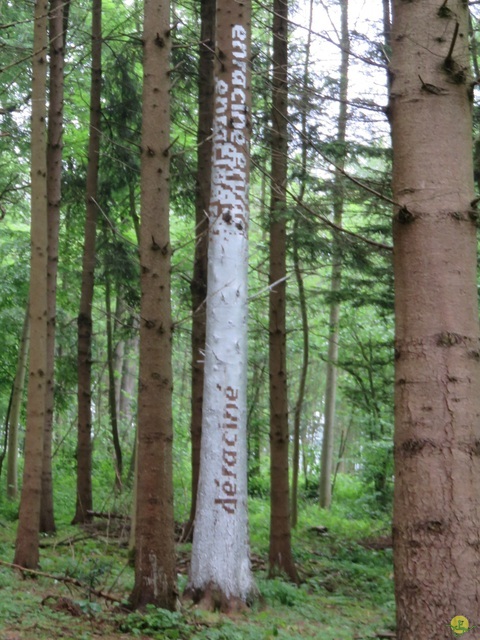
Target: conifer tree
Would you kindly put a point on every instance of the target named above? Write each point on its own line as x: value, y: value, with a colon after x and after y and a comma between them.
x: 155, y: 577
x: 437, y: 358
x: 220, y: 571
x: 84, y: 502
x: 27, y: 543
x: 280, y: 553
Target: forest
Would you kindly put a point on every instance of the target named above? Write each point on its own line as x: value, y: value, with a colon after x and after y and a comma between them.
x: 239, y: 324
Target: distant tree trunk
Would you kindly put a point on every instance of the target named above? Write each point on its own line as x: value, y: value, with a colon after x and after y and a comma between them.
x: 326, y: 464
x: 437, y: 357
x: 280, y: 553
x: 387, y: 26
x: 54, y: 194
x: 112, y: 395
x: 220, y: 569
x: 133, y: 509
x: 84, y: 446
x: 6, y: 431
x: 133, y: 211
x: 15, y: 408
x: 253, y: 426
x: 155, y: 576
x: 118, y: 351
x: 199, y: 280
x: 26, y: 547
x: 128, y: 383
x: 297, y: 419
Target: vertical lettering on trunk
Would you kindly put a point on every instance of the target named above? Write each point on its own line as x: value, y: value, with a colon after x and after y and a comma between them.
x: 229, y: 198
x: 227, y: 484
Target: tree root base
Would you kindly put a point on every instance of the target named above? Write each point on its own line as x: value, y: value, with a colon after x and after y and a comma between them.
x: 212, y: 598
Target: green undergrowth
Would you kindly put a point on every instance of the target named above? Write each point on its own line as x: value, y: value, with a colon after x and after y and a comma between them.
x: 346, y: 588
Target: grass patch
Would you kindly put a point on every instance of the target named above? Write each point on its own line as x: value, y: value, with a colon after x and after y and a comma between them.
x: 346, y: 589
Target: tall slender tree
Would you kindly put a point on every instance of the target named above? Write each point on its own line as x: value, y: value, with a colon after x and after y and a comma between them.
x: 155, y: 577
x: 202, y: 199
x: 84, y: 501
x: 302, y: 298
x: 27, y: 543
x: 220, y: 570
x: 57, y: 22
x: 326, y: 464
x: 112, y: 387
x: 437, y: 357
x: 280, y: 553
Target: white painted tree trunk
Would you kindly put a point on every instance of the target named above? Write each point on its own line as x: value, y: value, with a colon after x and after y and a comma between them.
x: 220, y: 567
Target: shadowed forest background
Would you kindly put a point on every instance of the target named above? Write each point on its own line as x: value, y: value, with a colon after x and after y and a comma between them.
x: 319, y: 410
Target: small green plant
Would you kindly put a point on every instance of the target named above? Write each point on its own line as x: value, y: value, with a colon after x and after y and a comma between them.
x: 283, y: 593
x: 157, y: 623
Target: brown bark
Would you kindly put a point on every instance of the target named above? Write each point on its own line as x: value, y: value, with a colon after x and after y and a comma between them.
x: 437, y: 359
x: 326, y: 464
x: 280, y: 553
x: 84, y: 446
x: 54, y: 193
x: 253, y: 421
x: 199, y: 279
x: 155, y: 577
x: 26, y: 547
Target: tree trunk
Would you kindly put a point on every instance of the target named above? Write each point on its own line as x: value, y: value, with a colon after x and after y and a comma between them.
x: 326, y: 463
x: 119, y: 347
x: 54, y: 194
x: 220, y: 571
x: 112, y: 395
x: 155, y: 577
x: 133, y: 509
x: 128, y: 384
x: 199, y: 280
x: 26, y: 548
x: 6, y: 430
x: 84, y: 446
x: 437, y: 358
x: 15, y: 408
x: 280, y: 553
x: 297, y: 419
x: 254, y: 435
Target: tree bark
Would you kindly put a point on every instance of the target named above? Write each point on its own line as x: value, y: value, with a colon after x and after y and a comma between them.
x: 280, y: 553
x: 112, y: 395
x: 84, y: 447
x: 15, y: 408
x: 254, y: 435
x: 26, y: 547
x: 437, y: 358
x: 128, y: 384
x: 58, y: 12
x: 199, y: 280
x: 155, y: 576
x: 220, y: 570
x: 326, y: 463
x: 297, y: 418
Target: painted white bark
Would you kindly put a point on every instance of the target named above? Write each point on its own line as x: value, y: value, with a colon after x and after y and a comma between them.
x: 220, y: 554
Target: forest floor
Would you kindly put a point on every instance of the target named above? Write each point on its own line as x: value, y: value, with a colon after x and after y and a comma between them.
x: 346, y: 591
